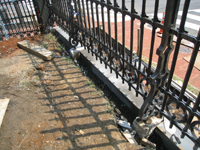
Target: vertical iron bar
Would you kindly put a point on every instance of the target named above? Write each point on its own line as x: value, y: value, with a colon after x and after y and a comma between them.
x: 33, y: 15
x: 7, y: 22
x: 11, y: 18
x: 88, y: 16
x: 141, y: 42
x: 77, y: 13
x: 103, y: 22
x: 132, y: 31
x: 68, y: 13
x: 93, y: 23
x: 109, y: 35
x: 190, y: 67
x: 98, y: 33
x: 89, y: 25
x: 131, y: 37
x: 98, y: 27
x: 93, y: 31
x: 155, y: 19
x: 116, y: 36
x: 104, y: 33
x: 123, y: 39
x: 15, y: 18
x: 81, y: 20
x: 29, y: 13
x: 25, y: 15
x: 84, y: 15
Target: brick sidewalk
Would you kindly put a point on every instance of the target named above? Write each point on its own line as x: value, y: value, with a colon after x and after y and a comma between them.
x: 181, y: 65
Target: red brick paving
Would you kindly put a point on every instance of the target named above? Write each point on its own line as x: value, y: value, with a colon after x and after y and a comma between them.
x: 181, y: 65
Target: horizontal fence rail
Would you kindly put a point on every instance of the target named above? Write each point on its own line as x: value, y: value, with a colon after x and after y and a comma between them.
x: 17, y: 17
x: 108, y: 31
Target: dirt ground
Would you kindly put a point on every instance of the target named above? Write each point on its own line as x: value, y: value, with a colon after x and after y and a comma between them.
x: 55, y: 107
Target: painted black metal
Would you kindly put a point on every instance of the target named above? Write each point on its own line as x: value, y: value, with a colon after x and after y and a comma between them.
x: 89, y: 27
x: 18, y: 17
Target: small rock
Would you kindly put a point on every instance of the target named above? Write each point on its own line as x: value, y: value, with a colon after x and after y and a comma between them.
x: 124, y: 124
x: 118, y: 112
x: 76, y: 97
x: 39, y: 126
x: 129, y: 137
x: 3, y: 46
x: 81, y: 132
x: 146, y: 142
x: 59, y: 138
x: 46, y: 81
x: 40, y: 67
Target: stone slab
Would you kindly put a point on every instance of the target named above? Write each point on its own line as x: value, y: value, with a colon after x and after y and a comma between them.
x: 36, y: 50
x: 3, y: 106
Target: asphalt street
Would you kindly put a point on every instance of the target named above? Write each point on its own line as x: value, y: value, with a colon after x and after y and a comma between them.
x: 193, y: 18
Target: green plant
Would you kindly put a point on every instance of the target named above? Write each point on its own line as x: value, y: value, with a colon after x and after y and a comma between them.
x: 68, y: 60
x: 92, y: 93
x: 52, y: 41
x: 50, y: 38
x: 44, y: 44
x: 110, y: 108
x: 60, y: 47
x: 189, y: 86
x: 99, y: 92
x: 90, y: 83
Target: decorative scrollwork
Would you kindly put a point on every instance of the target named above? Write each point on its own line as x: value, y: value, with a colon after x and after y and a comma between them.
x: 87, y: 41
x: 145, y: 87
x: 176, y: 111
x: 73, y: 41
x: 131, y: 74
x: 157, y: 101
x: 116, y: 63
x: 195, y: 129
x: 104, y: 54
x: 75, y: 38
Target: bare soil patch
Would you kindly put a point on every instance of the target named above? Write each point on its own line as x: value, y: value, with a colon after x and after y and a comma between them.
x: 55, y: 107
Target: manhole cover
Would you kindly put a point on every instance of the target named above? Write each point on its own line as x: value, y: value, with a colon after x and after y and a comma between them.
x: 184, y: 49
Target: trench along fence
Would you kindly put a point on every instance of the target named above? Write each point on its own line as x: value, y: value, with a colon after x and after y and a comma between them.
x: 108, y: 30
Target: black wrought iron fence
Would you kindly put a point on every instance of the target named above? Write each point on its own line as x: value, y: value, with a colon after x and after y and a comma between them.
x: 17, y: 17
x: 99, y: 25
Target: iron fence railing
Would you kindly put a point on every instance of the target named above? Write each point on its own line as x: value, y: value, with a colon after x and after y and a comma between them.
x: 17, y: 17
x: 99, y: 25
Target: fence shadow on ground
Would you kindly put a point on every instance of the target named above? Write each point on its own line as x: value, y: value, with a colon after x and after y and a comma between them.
x: 76, y: 115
